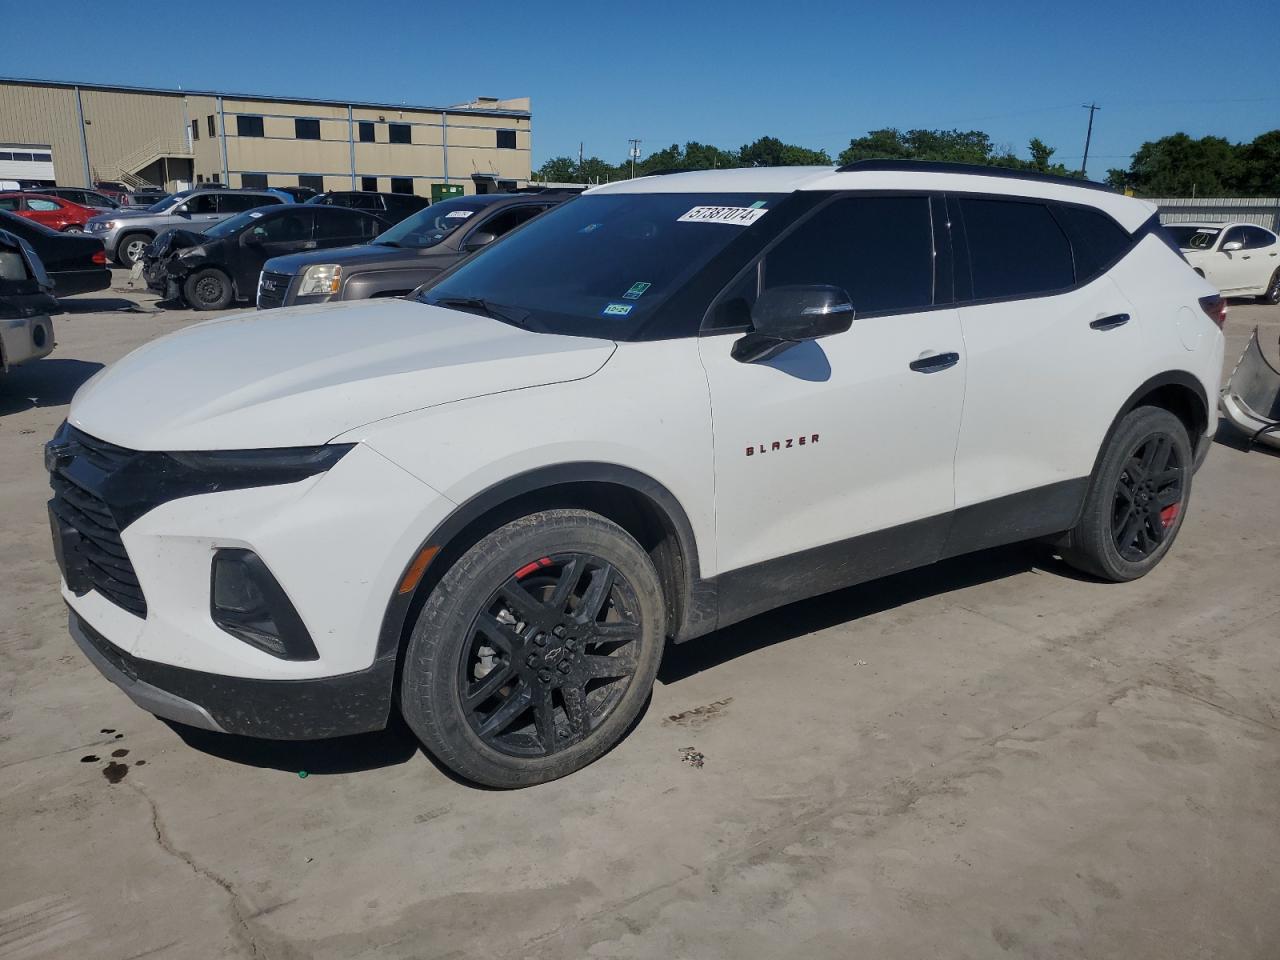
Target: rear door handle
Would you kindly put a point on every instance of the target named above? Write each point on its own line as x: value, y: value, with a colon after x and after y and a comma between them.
x: 939, y: 361
x: 1111, y: 322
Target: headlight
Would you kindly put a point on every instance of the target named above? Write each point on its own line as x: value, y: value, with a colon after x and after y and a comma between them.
x: 323, y: 278
x: 191, y: 252
x: 103, y: 225
x: 281, y: 464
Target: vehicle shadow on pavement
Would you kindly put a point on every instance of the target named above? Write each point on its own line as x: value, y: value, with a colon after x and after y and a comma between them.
x: 352, y: 754
x: 819, y: 613
x: 102, y: 305
x: 45, y: 383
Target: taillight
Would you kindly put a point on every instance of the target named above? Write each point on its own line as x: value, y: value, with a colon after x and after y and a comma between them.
x: 1215, y: 308
x: 100, y: 258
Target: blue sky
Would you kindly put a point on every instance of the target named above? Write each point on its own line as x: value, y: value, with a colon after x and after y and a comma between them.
x: 813, y: 73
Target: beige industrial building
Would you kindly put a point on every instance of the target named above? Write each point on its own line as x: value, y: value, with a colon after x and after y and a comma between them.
x: 87, y: 133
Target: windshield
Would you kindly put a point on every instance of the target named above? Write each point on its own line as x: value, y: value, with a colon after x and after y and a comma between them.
x: 600, y: 266
x: 429, y: 226
x: 232, y: 225
x: 170, y: 201
x: 1193, y: 238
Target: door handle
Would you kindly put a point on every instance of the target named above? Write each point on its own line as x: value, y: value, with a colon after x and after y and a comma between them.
x: 1111, y: 322
x: 939, y: 361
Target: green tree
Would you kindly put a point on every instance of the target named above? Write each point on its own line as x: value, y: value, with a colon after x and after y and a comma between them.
x: 1260, y: 166
x: 772, y: 152
x: 559, y: 170
x: 1180, y: 166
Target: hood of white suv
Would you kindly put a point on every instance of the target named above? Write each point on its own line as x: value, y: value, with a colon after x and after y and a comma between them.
x: 303, y: 375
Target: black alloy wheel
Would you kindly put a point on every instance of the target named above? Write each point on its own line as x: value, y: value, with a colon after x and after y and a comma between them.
x: 535, y: 650
x: 550, y: 655
x: 1148, y: 498
x: 1137, y: 498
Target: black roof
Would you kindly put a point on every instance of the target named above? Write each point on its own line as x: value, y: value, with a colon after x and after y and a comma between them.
x: 973, y: 169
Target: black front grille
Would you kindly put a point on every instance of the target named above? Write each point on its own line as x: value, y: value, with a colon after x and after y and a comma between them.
x: 86, y: 536
x: 272, y: 289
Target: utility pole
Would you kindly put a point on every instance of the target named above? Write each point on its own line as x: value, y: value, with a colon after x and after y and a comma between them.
x: 581, y: 176
x: 1084, y: 164
x: 635, y: 155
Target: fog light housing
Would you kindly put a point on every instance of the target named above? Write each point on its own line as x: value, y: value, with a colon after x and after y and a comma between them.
x: 247, y: 602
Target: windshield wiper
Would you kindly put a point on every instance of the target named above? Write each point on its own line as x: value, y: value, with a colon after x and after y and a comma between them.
x: 483, y: 306
x: 384, y: 243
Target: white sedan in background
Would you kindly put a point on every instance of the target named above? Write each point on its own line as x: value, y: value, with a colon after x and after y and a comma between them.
x: 1240, y: 259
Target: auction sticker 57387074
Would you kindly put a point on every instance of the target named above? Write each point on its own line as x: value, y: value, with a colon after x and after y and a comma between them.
x: 739, y: 216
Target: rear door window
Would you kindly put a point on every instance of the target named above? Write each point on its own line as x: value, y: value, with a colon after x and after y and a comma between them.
x: 878, y: 249
x: 1016, y: 249
x: 1255, y: 238
x: 240, y: 202
x: 1097, y: 241
x: 335, y: 225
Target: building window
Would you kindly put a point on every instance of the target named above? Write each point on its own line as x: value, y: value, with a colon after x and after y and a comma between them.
x: 369, y: 183
x: 199, y: 178
x: 398, y: 133
x: 255, y: 180
x: 213, y: 131
x: 366, y: 131
x: 506, y: 139
x: 402, y: 184
x: 216, y: 177
x: 306, y: 129
x: 312, y: 181
x: 248, y: 126
x: 195, y: 129
x: 42, y: 157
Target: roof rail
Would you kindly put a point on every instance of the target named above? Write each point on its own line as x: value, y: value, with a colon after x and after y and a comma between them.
x: 973, y: 169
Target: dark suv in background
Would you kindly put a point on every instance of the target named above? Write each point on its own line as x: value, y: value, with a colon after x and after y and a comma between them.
x: 409, y: 254
x: 212, y: 269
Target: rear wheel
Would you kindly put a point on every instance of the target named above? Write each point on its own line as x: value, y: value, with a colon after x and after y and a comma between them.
x: 208, y: 289
x: 1272, y: 295
x: 536, y: 650
x: 1137, y: 499
x: 129, y: 249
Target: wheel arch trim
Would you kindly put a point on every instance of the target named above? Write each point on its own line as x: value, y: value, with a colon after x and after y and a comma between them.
x: 532, y: 482
x: 1170, y: 378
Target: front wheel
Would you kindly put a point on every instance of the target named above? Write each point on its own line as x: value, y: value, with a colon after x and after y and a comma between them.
x: 208, y: 289
x: 536, y: 650
x: 1137, y: 498
x: 1272, y: 296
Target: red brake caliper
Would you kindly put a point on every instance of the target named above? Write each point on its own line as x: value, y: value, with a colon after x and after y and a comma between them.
x: 1170, y: 514
x: 528, y: 568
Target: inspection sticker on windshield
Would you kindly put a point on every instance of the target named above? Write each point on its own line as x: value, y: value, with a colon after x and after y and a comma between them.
x: 616, y: 310
x: 741, y: 216
x: 459, y: 214
x: 637, y: 290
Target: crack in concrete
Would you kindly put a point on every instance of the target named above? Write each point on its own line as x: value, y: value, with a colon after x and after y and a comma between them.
x: 241, y: 929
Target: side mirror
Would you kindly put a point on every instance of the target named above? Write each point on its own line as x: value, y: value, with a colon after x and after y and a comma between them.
x: 481, y: 238
x: 182, y: 211
x: 1232, y: 245
x: 784, y: 316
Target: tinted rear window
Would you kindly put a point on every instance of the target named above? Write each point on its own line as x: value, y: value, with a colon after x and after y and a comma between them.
x: 1097, y: 241
x: 1016, y: 249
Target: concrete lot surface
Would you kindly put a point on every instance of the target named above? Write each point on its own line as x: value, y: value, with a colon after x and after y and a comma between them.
x: 992, y: 757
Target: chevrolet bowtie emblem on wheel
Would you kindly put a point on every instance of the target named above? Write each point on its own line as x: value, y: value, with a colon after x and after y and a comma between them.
x: 787, y: 444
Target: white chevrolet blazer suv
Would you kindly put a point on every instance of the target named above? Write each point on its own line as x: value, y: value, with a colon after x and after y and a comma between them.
x: 662, y: 407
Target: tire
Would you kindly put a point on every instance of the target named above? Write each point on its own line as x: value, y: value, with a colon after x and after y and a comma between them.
x: 1135, y: 506
x: 1272, y: 296
x: 207, y: 289
x: 73, y: 228
x: 504, y: 679
x: 129, y: 248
